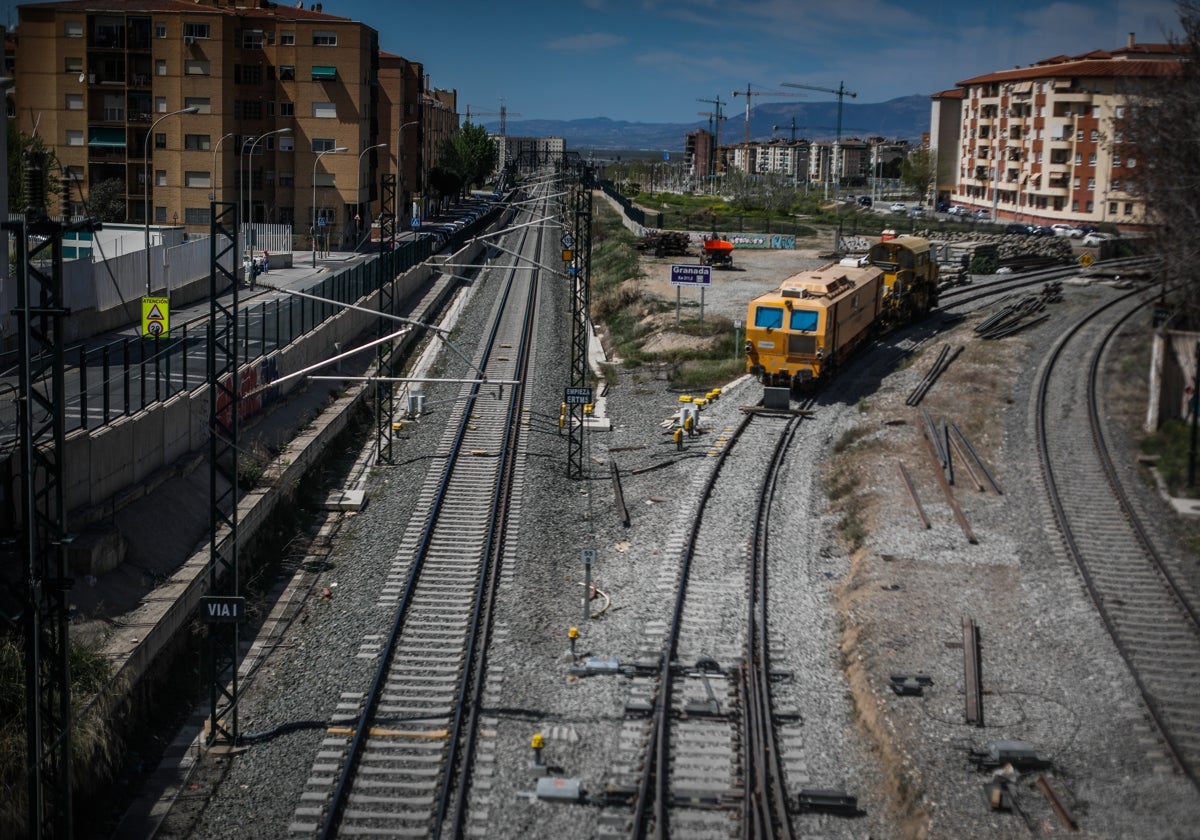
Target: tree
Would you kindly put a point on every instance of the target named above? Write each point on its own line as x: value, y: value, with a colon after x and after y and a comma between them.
x: 1158, y: 142
x: 106, y: 200
x: 18, y: 145
x: 470, y: 154
x: 445, y: 181
x: 918, y: 170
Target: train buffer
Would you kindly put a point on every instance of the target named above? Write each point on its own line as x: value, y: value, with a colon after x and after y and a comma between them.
x: 828, y: 802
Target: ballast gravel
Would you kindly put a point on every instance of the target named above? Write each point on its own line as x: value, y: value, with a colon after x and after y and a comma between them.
x: 865, y: 593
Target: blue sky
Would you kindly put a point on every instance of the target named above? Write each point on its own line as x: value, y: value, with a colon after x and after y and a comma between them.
x: 650, y: 60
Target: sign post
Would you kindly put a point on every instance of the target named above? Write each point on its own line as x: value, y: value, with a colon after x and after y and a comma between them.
x: 588, y: 556
x: 690, y: 275
x: 156, y: 317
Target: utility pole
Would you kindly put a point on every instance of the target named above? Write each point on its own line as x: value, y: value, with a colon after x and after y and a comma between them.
x: 750, y: 94
x: 841, y: 93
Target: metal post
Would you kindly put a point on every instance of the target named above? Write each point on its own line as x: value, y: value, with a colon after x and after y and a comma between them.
x: 1195, y: 409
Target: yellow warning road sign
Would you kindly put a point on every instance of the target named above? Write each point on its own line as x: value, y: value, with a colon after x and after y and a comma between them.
x: 156, y: 317
x: 1086, y: 260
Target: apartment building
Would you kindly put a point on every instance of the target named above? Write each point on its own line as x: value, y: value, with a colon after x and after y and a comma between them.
x: 290, y: 104
x: 1039, y: 143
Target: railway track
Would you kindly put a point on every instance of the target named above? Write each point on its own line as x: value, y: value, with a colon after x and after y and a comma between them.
x: 1144, y: 601
x: 397, y: 759
x: 699, y: 749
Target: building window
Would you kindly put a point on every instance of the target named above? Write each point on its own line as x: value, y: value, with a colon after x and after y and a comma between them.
x: 195, y: 67
x: 74, y: 137
x: 1112, y: 208
x: 287, y: 72
x: 1092, y: 159
x: 324, y: 110
x: 1095, y: 135
x: 160, y: 67
x: 270, y: 109
x: 252, y: 39
x: 73, y: 65
x: 1075, y: 206
x: 73, y: 29
x: 1116, y: 185
x: 287, y: 144
x: 1128, y: 208
x: 160, y: 30
x: 1091, y: 207
x: 197, y: 142
x: 160, y: 177
x: 324, y: 38
x: 75, y: 173
x: 196, y: 215
x: 160, y: 215
x: 287, y: 179
x: 74, y: 101
x: 270, y: 37
x: 197, y: 178
x: 1091, y: 184
x: 201, y: 103
x: 1120, y: 111
x: 247, y: 74
x: 1078, y: 136
x: 1079, y: 158
x: 196, y: 30
x: 160, y: 140
x: 287, y: 38
x: 1076, y: 183
x: 323, y: 144
x: 247, y: 109
x: 287, y: 215
x: 287, y: 109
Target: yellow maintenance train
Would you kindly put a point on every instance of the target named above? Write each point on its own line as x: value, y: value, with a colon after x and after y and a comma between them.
x: 798, y: 334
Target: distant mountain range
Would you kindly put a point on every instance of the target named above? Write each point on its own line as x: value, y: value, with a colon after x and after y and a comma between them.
x: 905, y: 118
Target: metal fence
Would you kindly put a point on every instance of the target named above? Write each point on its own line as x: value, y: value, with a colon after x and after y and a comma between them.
x: 128, y: 375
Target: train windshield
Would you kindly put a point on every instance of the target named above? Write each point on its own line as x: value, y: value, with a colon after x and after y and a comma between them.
x: 803, y: 320
x: 768, y: 317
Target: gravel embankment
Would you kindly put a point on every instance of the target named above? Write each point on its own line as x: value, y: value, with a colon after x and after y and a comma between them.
x: 843, y: 621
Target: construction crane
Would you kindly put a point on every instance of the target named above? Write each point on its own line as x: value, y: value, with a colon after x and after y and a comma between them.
x: 502, y: 114
x: 718, y: 116
x: 840, y: 92
x: 750, y: 94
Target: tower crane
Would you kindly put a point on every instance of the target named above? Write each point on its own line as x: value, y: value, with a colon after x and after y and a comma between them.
x: 750, y: 94
x: 841, y: 92
x: 718, y: 116
x: 502, y: 114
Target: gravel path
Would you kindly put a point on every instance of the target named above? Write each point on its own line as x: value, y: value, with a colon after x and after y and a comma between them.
x: 844, y: 622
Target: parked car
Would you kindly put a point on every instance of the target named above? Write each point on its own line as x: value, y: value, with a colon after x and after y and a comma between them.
x: 942, y: 207
x: 1085, y: 229
x: 1023, y: 230
x: 899, y: 207
x: 865, y: 200
x: 1061, y: 229
x: 916, y: 210
x: 1040, y: 230
x: 1097, y: 238
x: 982, y: 215
x: 956, y: 210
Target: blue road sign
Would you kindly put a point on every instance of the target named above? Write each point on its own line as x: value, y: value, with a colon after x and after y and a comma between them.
x: 691, y: 275
x: 416, y: 223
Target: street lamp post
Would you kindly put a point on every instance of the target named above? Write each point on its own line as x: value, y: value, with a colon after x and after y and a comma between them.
x: 250, y: 197
x: 358, y: 196
x: 317, y: 160
x: 191, y: 109
x: 215, y: 179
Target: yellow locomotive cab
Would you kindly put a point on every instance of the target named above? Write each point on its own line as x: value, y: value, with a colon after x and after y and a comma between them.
x: 801, y: 332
